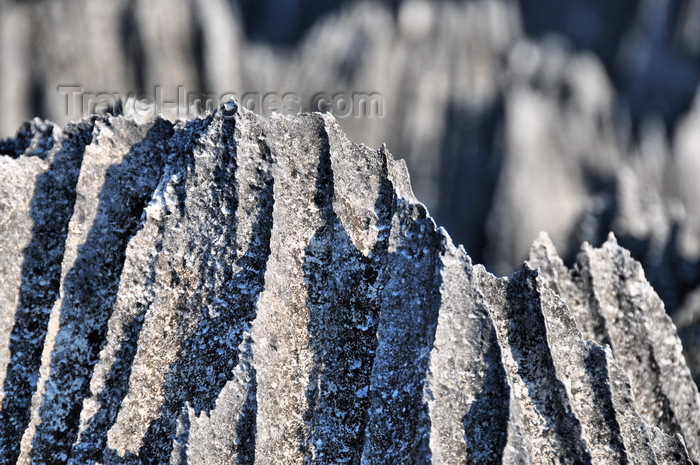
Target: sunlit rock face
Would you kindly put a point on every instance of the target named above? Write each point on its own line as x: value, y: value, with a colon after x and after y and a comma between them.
x: 241, y: 289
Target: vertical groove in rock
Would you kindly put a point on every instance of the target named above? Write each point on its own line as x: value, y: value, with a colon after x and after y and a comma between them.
x: 467, y: 390
x: 645, y: 342
x: 178, y: 299
x: 590, y: 397
x: 118, y: 174
x: 261, y: 290
x: 142, y: 278
x: 548, y: 418
x: 103, y: 409
x: 638, y: 445
x: 341, y: 265
x: 399, y: 422
x: 231, y: 277
x: 609, y: 287
x: 221, y: 393
x: 282, y: 348
x: 574, y: 286
x: 48, y: 215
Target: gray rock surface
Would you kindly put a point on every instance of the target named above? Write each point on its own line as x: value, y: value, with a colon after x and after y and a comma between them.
x: 261, y: 290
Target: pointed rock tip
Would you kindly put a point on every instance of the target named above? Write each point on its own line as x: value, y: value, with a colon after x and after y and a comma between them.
x: 612, y: 240
x: 543, y: 252
x: 328, y: 118
x: 228, y: 108
x: 543, y: 241
x: 612, y: 246
x: 525, y: 271
x: 544, y: 238
x: 446, y: 244
x: 529, y: 270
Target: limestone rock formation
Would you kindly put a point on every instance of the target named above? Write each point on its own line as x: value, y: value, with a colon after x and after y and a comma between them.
x: 241, y: 289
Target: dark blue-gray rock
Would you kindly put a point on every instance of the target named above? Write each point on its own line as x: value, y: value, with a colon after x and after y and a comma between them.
x: 261, y: 290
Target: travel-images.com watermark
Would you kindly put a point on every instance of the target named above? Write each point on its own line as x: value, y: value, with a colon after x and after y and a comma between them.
x: 186, y: 105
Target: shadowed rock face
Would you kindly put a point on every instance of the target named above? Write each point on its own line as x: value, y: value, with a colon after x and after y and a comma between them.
x: 237, y: 289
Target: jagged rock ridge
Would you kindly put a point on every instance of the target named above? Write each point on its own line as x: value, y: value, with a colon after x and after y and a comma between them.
x: 252, y: 290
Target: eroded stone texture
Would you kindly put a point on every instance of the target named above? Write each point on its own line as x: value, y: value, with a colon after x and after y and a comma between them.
x: 240, y: 289
x: 617, y: 306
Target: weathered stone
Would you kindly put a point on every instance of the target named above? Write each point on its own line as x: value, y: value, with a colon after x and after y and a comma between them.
x: 613, y: 304
x: 261, y: 290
